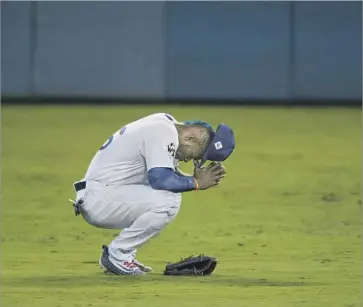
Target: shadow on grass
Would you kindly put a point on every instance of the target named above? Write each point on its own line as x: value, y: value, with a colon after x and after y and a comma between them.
x: 74, y: 281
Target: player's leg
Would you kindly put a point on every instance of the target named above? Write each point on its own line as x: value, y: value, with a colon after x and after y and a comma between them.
x: 140, y: 211
x: 161, y: 208
x: 117, y: 207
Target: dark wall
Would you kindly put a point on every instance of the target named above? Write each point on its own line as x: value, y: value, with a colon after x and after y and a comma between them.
x: 182, y: 50
x: 16, y: 48
x: 327, y: 49
x: 232, y: 50
x: 99, y: 48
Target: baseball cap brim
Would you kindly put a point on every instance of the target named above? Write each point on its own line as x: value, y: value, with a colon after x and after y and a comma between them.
x: 221, y: 146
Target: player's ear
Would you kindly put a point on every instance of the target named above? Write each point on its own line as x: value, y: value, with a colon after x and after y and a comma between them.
x: 190, y: 138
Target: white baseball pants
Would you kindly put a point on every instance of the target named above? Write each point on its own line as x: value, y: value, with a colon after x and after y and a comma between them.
x: 140, y: 211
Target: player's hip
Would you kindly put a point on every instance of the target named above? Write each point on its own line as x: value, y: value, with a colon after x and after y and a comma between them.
x: 112, y: 206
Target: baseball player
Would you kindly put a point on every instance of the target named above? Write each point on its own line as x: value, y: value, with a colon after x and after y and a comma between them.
x: 134, y: 184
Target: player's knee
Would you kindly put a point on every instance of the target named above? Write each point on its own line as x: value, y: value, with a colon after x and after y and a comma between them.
x: 96, y: 220
x: 168, y: 204
x: 92, y: 220
x: 172, y: 213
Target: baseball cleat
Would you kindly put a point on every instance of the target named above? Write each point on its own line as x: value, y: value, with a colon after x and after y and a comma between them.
x: 118, y: 267
x: 143, y: 267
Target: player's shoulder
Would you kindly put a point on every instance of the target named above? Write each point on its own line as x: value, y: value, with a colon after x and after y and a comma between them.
x: 160, y: 118
x: 161, y: 121
x: 161, y: 126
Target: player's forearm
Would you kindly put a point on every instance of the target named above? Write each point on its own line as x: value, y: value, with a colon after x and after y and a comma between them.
x: 168, y: 180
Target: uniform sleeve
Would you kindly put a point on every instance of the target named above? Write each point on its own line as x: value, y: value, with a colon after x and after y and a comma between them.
x: 160, y: 147
x: 168, y: 180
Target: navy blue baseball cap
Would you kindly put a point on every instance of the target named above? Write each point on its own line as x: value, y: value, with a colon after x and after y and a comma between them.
x: 221, y: 146
x: 222, y: 142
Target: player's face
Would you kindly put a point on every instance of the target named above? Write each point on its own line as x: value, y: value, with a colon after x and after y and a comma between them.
x: 189, y: 150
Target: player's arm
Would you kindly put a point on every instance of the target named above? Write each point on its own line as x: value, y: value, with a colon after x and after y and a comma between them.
x: 167, y: 179
x: 204, y: 178
x: 159, y: 152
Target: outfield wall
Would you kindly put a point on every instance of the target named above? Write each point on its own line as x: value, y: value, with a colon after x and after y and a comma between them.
x: 182, y: 50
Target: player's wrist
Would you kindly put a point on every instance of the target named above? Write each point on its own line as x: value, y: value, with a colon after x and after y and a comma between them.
x: 196, y: 184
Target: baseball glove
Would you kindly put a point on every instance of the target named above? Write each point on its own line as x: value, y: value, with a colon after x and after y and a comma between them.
x: 192, y: 266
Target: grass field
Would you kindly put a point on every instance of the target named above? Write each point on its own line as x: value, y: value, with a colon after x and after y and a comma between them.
x: 285, y: 224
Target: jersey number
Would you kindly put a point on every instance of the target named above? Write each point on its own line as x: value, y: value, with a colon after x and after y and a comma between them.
x: 109, y: 141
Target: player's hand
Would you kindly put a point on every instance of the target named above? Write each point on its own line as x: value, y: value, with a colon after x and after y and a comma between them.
x: 208, y: 176
x: 222, y: 167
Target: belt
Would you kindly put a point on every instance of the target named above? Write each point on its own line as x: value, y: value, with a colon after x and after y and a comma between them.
x: 80, y: 186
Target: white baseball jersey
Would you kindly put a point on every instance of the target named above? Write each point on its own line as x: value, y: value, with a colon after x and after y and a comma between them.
x: 127, y: 156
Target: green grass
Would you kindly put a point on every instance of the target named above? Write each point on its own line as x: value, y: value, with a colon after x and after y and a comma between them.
x: 285, y: 224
